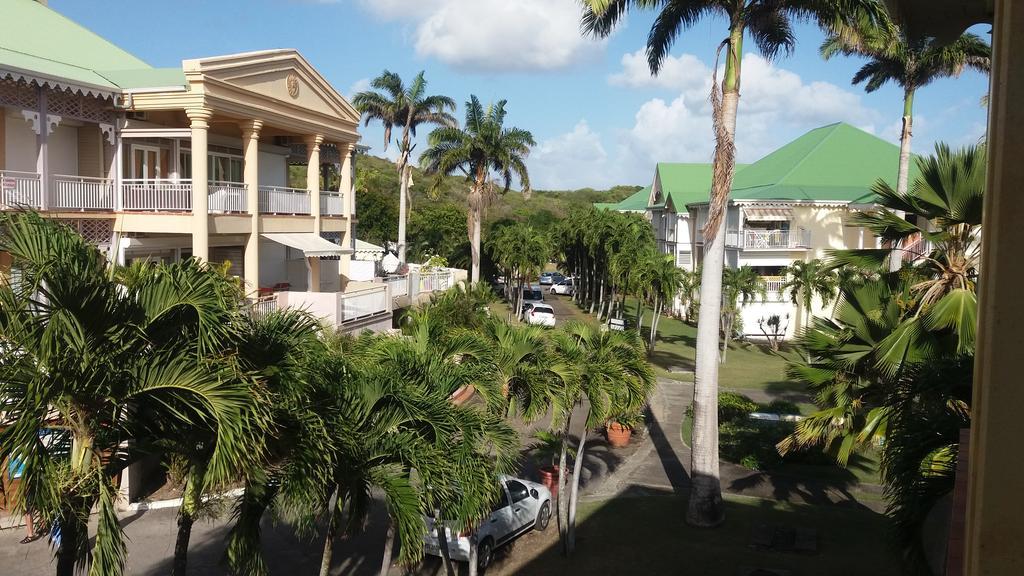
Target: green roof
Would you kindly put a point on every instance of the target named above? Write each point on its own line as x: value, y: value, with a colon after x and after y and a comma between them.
x: 637, y: 202
x: 40, y: 41
x: 833, y: 163
x: 686, y: 183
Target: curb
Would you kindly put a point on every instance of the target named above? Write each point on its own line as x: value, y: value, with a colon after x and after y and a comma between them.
x: 174, y: 502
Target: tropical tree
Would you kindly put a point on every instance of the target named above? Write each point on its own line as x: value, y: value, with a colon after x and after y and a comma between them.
x: 910, y: 62
x: 689, y: 290
x: 739, y: 287
x: 482, y: 150
x: 896, y: 362
x: 769, y: 25
x: 606, y: 373
x: 664, y: 280
x: 396, y: 106
x: 83, y: 360
x: 805, y: 280
x: 521, y: 253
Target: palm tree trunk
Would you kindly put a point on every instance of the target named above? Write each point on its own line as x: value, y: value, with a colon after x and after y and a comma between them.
x: 705, y: 504
x: 405, y: 173
x: 654, y: 324
x: 72, y: 531
x: 442, y: 542
x: 389, y: 543
x: 190, y: 501
x: 577, y: 470
x: 333, y: 521
x: 563, y: 482
x: 727, y: 332
x: 475, y: 247
x: 903, y: 176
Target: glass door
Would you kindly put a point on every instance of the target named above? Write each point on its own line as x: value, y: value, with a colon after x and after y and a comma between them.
x: 146, y: 163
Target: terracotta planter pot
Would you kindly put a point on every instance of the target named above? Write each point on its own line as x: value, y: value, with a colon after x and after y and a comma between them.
x: 549, y: 477
x: 618, y: 435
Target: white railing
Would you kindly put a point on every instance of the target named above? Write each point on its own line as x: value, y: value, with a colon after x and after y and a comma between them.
x: 369, y: 302
x: 262, y: 306
x: 331, y: 203
x: 226, y: 196
x: 281, y: 200
x: 435, y: 281
x: 776, y: 239
x: 773, y: 287
x: 20, y: 189
x: 398, y: 285
x: 157, y: 195
x: 914, y: 250
x: 82, y: 193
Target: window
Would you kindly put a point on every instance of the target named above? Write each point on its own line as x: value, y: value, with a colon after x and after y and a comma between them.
x: 518, y: 491
x: 502, y: 502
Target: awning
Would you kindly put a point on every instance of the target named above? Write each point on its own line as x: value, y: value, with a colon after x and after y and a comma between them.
x: 768, y: 214
x: 312, y: 245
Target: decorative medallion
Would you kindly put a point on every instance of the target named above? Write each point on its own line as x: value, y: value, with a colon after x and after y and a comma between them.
x: 293, y: 85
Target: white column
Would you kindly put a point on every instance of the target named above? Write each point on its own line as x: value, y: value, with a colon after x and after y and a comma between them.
x: 251, y: 142
x: 346, y: 186
x: 994, y: 539
x: 313, y: 185
x: 200, y: 118
x: 42, y: 151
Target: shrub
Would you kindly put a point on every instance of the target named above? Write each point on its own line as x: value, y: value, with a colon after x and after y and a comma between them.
x: 780, y: 407
x: 733, y: 407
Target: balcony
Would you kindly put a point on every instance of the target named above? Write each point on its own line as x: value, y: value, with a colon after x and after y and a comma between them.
x: 20, y: 189
x: 147, y: 195
x: 82, y: 193
x: 331, y: 204
x: 226, y: 197
x: 776, y: 239
x: 773, y: 288
x: 282, y: 200
x: 338, y: 309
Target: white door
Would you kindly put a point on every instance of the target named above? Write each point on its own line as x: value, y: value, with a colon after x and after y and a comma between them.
x: 146, y: 162
x: 501, y: 523
x: 523, y: 513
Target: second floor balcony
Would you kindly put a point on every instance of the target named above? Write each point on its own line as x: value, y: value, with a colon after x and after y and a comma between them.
x: 68, y: 193
x: 796, y: 239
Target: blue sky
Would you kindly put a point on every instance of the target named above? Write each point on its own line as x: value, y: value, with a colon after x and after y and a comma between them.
x: 598, y: 116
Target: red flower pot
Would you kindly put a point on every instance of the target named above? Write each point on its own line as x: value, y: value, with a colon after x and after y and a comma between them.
x: 549, y: 478
x: 618, y: 435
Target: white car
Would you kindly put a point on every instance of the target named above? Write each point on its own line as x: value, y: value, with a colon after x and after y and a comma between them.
x: 565, y: 287
x: 523, y: 506
x: 539, y: 314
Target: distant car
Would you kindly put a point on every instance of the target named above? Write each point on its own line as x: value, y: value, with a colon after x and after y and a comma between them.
x: 549, y: 278
x: 532, y: 295
x: 523, y: 506
x: 539, y: 314
x: 565, y: 287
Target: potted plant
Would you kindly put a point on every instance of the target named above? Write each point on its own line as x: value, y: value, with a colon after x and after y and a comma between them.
x: 547, y: 449
x: 620, y: 427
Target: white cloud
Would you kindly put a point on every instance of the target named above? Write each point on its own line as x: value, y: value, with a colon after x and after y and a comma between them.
x: 776, y: 106
x: 488, y: 35
x: 358, y: 86
x: 559, y: 162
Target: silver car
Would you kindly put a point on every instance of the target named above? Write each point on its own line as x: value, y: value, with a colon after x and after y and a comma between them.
x: 523, y: 506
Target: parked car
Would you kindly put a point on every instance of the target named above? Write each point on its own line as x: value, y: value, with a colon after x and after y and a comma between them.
x: 523, y: 506
x: 532, y: 295
x: 565, y: 287
x: 548, y: 278
x: 539, y: 314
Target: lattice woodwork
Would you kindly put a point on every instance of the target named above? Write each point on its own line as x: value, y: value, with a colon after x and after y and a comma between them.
x: 95, y: 230
x: 334, y: 237
x: 70, y: 105
x: 18, y: 94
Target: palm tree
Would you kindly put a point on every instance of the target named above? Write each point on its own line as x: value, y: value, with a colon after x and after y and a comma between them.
x: 396, y: 106
x: 482, y: 150
x: 769, y: 25
x: 739, y: 287
x: 85, y: 359
x: 605, y: 372
x: 805, y: 280
x: 664, y: 279
x: 909, y: 62
x: 522, y: 252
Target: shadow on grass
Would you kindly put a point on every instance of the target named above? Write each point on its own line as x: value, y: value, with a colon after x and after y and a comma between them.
x: 646, y: 534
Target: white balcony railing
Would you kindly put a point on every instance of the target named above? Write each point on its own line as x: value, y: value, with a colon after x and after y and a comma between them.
x: 397, y: 285
x: 281, y: 200
x: 331, y: 203
x: 773, y: 288
x: 82, y: 193
x: 226, y: 197
x: 260, y: 307
x: 20, y: 189
x: 157, y: 195
x: 369, y: 302
x: 776, y: 239
x: 435, y: 281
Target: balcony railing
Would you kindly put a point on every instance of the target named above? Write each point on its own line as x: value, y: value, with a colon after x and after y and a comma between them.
x: 82, y: 193
x: 227, y: 197
x: 398, y: 285
x: 262, y: 306
x: 149, y: 195
x: 776, y: 239
x: 773, y: 288
x: 369, y: 302
x: 281, y: 200
x: 20, y: 189
x: 331, y: 203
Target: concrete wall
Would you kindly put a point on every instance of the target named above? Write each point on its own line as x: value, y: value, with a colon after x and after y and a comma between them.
x: 361, y: 270
x: 273, y: 169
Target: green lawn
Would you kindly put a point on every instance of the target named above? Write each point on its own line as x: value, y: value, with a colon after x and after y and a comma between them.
x: 647, y: 535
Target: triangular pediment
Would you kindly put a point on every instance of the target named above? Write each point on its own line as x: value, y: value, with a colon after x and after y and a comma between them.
x: 282, y: 75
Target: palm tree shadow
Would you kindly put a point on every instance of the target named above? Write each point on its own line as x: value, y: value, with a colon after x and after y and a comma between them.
x: 677, y: 475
